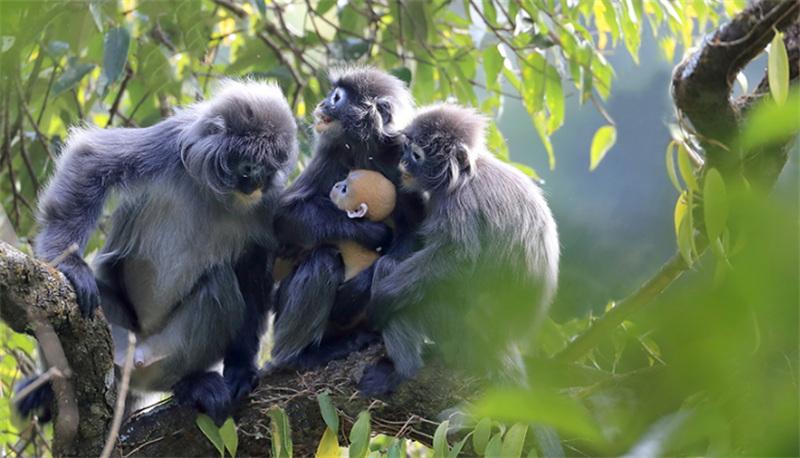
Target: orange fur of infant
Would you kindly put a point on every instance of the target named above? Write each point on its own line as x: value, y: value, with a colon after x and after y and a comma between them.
x: 364, y: 194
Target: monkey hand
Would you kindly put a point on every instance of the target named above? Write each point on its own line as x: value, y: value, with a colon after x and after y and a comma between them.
x: 373, y: 234
x: 82, y: 278
x: 241, y: 380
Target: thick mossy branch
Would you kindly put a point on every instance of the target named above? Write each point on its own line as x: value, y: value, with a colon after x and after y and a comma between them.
x: 30, y: 287
x: 702, y: 83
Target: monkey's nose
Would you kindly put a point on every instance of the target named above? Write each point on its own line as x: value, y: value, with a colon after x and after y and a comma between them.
x: 404, y: 163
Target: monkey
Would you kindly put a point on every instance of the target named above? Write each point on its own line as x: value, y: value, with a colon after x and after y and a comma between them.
x: 363, y: 194
x: 188, y: 261
x: 357, y: 127
x: 487, y: 270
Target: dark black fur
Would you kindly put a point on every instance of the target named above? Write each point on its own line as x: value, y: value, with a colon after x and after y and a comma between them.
x: 487, y: 271
x: 188, y: 262
x: 365, y: 110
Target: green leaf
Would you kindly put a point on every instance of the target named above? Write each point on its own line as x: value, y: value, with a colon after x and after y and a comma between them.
x: 533, y: 80
x: 70, y: 77
x: 359, y: 436
x: 528, y: 171
x: 211, y: 431
x: 715, y: 204
x: 770, y: 123
x: 322, y: 7
x: 541, y: 127
x: 424, y: 83
x: 603, y: 140
x: 394, y: 450
x: 281, y: 434
x: 554, y: 96
x: 440, y: 448
x: 116, y: 44
x: 492, y: 65
x: 685, y: 234
x: 329, y: 445
x: 778, y: 65
x: 494, y: 447
x: 673, y: 177
x: 514, y: 440
x: 489, y: 11
x: 229, y: 437
x: 403, y: 74
x: 97, y: 13
x: 481, y: 436
x: 685, y: 167
x: 457, y: 448
x: 329, y: 413
x: 540, y: 406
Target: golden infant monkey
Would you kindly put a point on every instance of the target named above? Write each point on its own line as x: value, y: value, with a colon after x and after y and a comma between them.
x: 364, y: 193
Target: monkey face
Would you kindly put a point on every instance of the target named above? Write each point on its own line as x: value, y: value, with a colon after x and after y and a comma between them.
x: 330, y: 111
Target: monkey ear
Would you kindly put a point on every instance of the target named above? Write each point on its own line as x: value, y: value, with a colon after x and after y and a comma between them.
x: 213, y: 125
x: 462, y: 156
x: 384, y: 107
x: 358, y: 212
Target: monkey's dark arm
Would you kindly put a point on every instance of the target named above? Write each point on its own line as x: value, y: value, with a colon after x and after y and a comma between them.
x: 254, y: 275
x: 409, y: 280
x: 94, y: 163
x: 316, y: 220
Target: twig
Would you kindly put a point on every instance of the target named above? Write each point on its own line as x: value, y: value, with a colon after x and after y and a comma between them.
x: 7, y: 154
x: 601, y: 110
x: 39, y: 381
x: 47, y: 95
x: 72, y: 248
x: 35, y: 125
x: 23, y: 150
x: 67, y: 426
x: 123, y: 391
x: 236, y: 9
x: 118, y: 98
x: 614, y: 317
x: 78, y: 103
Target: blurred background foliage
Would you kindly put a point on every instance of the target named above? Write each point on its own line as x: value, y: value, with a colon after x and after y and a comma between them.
x: 710, y: 368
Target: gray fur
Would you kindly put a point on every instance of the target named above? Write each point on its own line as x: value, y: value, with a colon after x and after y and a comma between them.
x: 183, y: 223
x: 483, y: 281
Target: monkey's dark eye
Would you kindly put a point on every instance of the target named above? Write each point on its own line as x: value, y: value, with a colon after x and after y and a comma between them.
x: 338, y: 95
x: 416, y: 153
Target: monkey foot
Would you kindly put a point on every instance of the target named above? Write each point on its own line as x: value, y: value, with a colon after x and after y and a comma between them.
x: 207, y: 392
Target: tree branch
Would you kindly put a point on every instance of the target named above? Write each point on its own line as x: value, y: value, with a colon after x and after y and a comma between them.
x: 27, y: 285
x: 171, y: 430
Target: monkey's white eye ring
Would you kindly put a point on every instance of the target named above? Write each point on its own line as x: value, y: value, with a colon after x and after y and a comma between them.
x: 417, y: 153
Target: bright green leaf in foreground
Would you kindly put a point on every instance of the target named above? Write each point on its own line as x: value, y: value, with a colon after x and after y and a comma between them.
x: 281, y: 435
x: 778, y: 70
x: 70, y: 77
x: 359, y: 436
x: 540, y: 406
x: 440, y: 448
x: 715, y: 204
x: 229, y: 437
x: 211, y: 431
x: 514, y: 440
x: 603, y: 140
x: 480, y: 438
x: 329, y: 413
x: 685, y: 167
x: 329, y: 445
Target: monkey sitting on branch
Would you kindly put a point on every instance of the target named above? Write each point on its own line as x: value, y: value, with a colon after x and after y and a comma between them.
x: 364, y: 194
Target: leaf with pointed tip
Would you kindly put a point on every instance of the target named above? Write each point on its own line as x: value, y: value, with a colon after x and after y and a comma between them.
x: 603, y: 140
x: 778, y: 65
x: 69, y: 78
x: 116, y: 44
x: 514, y: 440
x: 329, y: 445
x: 481, y: 436
x: 359, y: 436
x: 440, y: 448
x: 207, y: 426
x: 715, y: 204
x: 229, y: 437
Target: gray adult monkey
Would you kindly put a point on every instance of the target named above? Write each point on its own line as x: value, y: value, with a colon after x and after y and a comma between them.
x: 487, y: 271
x: 188, y: 262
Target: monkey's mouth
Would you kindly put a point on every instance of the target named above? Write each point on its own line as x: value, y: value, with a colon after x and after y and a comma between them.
x: 323, y: 121
x: 407, y: 177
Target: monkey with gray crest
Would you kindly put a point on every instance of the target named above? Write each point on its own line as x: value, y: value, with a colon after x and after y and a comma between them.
x: 487, y: 271
x: 188, y: 262
x: 358, y: 127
